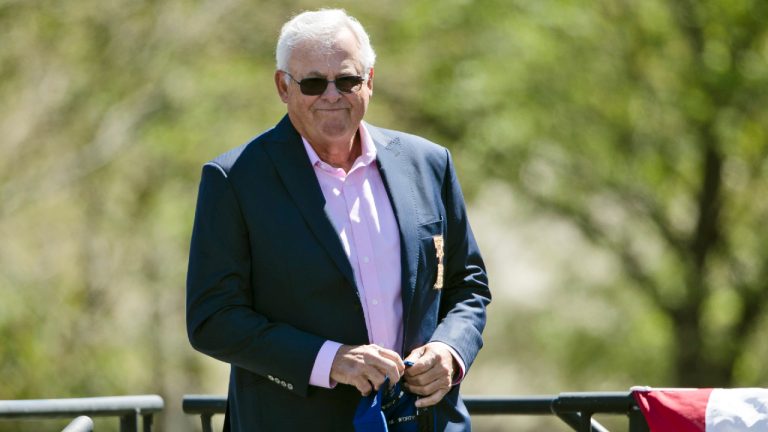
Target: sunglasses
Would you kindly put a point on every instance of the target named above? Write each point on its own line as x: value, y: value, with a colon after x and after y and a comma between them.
x: 317, y: 86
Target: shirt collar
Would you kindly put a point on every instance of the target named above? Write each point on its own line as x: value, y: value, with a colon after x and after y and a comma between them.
x: 367, y: 155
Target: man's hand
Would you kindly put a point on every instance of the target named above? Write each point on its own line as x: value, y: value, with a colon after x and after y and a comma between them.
x: 431, y: 375
x: 366, y: 367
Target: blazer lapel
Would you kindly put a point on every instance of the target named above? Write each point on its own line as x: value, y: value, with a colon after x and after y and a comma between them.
x: 298, y: 176
x: 398, y: 180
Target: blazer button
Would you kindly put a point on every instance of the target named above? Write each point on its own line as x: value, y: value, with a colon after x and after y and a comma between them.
x: 290, y: 386
x: 270, y: 377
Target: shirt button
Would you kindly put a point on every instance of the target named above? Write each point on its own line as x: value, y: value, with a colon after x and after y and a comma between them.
x: 375, y: 302
x: 366, y: 260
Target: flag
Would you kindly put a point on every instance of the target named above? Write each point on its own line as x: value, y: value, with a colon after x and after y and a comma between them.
x: 704, y: 410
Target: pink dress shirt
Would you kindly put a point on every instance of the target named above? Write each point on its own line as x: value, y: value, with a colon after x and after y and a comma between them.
x: 358, y: 206
x: 359, y: 209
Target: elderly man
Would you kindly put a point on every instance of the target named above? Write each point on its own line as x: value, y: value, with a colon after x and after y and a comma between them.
x: 326, y: 249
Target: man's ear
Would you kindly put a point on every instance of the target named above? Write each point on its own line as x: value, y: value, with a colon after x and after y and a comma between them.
x: 282, y: 86
x: 369, y: 83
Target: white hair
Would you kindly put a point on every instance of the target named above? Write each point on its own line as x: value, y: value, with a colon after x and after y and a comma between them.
x: 321, y: 27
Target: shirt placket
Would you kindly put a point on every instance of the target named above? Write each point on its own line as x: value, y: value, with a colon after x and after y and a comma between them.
x: 365, y: 263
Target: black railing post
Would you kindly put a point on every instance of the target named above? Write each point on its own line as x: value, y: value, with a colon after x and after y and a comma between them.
x: 585, y: 423
x: 637, y: 421
x: 147, y: 420
x: 205, y: 406
x: 571, y: 419
x: 129, y: 422
x: 207, y: 420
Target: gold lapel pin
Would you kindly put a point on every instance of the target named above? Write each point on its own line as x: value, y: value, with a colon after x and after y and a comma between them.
x: 440, y: 253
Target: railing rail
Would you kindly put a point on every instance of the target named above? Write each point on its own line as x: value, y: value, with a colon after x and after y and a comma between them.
x: 127, y: 408
x: 574, y: 409
x: 80, y: 424
x: 205, y: 406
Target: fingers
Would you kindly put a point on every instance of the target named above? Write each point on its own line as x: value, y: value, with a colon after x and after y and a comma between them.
x: 431, y: 375
x: 399, y: 370
x: 387, y: 362
x: 429, y: 362
x: 428, y: 384
x: 366, y: 367
x: 414, y: 357
x: 371, y: 380
x: 421, y: 361
x: 394, y: 357
x: 432, y: 399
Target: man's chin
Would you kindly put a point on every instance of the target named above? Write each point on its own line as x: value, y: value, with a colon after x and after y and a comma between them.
x: 338, y: 131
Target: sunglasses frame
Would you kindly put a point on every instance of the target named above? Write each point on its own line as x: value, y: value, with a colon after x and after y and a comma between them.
x: 354, y: 89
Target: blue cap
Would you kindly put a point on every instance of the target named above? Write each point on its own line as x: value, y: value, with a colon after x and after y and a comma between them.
x: 387, y: 410
x: 369, y: 417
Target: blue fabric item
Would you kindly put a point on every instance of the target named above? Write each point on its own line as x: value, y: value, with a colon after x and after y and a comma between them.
x: 388, y: 410
x: 369, y: 417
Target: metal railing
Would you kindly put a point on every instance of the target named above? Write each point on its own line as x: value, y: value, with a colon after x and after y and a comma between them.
x: 574, y: 409
x: 127, y: 408
x: 80, y: 424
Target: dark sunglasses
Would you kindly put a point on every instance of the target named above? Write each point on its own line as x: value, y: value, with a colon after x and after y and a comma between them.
x: 317, y: 86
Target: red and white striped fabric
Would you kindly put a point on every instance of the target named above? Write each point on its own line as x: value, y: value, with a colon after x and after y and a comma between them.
x: 703, y: 410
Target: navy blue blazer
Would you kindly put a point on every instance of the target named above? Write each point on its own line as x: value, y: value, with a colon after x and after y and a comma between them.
x: 269, y: 281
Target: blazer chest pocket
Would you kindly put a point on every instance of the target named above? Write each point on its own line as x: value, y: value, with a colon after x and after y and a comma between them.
x: 432, y: 251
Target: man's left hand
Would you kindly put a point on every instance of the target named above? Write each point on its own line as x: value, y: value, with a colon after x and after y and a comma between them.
x: 431, y: 375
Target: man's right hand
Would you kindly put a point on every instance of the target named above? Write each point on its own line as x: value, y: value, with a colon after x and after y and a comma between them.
x: 366, y: 367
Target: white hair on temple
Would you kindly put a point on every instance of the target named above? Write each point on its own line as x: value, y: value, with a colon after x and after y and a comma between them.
x: 321, y: 27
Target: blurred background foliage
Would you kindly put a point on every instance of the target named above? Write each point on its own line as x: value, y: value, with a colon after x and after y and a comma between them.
x: 613, y: 152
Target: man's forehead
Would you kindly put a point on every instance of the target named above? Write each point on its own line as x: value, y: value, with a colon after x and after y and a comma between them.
x: 317, y: 64
x: 350, y: 69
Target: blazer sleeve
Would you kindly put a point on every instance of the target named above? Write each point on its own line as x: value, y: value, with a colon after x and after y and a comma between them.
x: 465, y: 293
x: 221, y: 320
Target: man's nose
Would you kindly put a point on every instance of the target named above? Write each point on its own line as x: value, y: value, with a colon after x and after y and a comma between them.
x: 331, y: 93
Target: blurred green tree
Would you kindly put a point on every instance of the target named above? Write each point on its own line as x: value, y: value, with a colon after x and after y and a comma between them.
x: 641, y: 123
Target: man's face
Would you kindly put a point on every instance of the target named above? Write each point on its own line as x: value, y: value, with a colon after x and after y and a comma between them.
x: 332, y: 118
